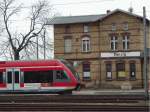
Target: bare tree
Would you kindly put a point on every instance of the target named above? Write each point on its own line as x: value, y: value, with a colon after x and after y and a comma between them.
x: 21, y: 41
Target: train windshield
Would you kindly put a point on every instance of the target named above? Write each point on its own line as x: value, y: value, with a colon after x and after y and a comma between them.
x: 71, y: 68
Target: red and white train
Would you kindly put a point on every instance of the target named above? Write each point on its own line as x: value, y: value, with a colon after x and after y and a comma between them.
x: 47, y: 76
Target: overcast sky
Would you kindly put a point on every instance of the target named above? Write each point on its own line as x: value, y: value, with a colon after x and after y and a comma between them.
x: 80, y: 7
x: 88, y: 7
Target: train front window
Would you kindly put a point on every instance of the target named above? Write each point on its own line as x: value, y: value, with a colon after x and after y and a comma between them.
x: 71, y: 68
x: 60, y: 75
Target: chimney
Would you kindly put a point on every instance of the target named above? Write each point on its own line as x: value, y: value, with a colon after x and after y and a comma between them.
x: 130, y: 10
x: 108, y: 11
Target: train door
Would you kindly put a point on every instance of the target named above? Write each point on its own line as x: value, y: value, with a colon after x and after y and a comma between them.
x: 13, y: 79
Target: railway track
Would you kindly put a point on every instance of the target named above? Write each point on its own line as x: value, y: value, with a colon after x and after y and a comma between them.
x: 73, y: 98
x: 69, y: 107
x: 73, y: 103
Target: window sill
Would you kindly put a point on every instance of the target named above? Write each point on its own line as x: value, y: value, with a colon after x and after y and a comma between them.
x: 84, y: 52
x: 86, y: 79
x: 109, y: 79
x: 67, y: 52
x: 121, y: 79
x: 132, y: 79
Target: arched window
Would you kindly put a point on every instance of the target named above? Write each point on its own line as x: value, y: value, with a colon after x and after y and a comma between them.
x: 85, y: 44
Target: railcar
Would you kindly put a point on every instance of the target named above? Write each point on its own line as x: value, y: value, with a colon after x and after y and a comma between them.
x: 42, y: 76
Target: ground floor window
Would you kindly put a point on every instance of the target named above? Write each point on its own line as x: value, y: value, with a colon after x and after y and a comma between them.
x: 132, y: 71
x: 108, y: 71
x: 86, y: 71
x: 120, y: 70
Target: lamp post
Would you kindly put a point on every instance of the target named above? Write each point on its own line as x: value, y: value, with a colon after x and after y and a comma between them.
x: 145, y: 55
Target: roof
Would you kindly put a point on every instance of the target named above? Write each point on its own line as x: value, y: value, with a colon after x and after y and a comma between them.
x: 86, y: 18
x: 75, y: 19
x: 29, y: 63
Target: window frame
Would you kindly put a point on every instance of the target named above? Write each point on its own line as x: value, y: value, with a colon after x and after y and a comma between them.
x: 86, y: 69
x: 67, y: 49
x: 125, y: 26
x: 113, y: 27
x: 134, y: 70
x: 120, y: 71
x: 114, y: 43
x: 125, y: 42
x: 87, y: 43
x: 67, y: 29
x: 85, y: 28
x: 108, y: 70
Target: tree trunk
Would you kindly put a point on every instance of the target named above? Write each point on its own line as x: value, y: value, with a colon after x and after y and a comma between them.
x: 16, y: 55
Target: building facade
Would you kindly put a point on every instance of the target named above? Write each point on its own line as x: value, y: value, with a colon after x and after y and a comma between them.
x: 106, y: 49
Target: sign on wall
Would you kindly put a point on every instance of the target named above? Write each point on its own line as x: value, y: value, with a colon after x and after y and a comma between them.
x: 120, y: 54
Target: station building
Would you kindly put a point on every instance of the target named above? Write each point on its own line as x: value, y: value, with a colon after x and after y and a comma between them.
x: 105, y: 49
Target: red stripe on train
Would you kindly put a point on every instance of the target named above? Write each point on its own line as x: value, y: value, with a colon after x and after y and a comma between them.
x: 21, y: 84
x: 2, y: 85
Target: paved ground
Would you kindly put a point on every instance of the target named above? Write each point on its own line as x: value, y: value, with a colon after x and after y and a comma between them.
x: 105, y: 92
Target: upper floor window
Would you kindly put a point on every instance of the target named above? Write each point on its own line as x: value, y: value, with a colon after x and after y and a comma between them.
x: 125, y: 42
x: 113, y: 27
x: 125, y: 26
x: 86, y: 44
x: 67, y: 29
x: 114, y: 43
x: 86, y: 28
x: 68, y: 45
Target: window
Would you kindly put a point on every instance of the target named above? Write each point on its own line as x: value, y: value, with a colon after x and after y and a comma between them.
x: 16, y: 76
x: 61, y: 75
x: 113, y: 28
x: 125, y: 26
x: 9, y: 77
x: 85, y: 44
x: 38, y: 76
x: 125, y: 42
x: 68, y: 45
x: 67, y: 29
x: 120, y: 69
x: 108, y: 71
x: 132, y: 71
x: 86, y: 28
x: 114, y: 43
x: 86, y: 71
x: 1, y: 77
